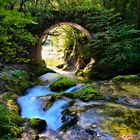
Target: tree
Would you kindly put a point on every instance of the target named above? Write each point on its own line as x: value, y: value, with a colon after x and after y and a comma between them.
x: 15, y: 38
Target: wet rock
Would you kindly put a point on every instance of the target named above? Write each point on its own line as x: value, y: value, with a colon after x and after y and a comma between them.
x: 91, y: 132
x: 28, y: 134
x: 130, y: 137
x: 38, y: 125
x: 69, y: 119
x: 50, y: 135
x: 121, y: 91
x: 77, y: 133
x: 80, y: 64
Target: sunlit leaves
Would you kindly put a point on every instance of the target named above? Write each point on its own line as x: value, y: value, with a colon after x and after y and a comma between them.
x: 14, y: 36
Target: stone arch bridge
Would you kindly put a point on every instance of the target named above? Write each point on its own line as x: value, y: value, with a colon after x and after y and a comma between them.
x: 77, y: 19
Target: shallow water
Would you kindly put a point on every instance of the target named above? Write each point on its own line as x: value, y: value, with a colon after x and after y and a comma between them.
x: 111, y: 119
x: 31, y: 107
x: 117, y: 120
x: 31, y: 104
x: 75, y: 88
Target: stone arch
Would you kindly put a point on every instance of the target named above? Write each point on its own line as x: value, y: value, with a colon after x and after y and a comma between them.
x: 74, y: 25
x: 44, y: 35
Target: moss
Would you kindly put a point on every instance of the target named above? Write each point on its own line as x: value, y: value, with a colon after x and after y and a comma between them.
x: 119, y: 120
x: 126, y: 121
x: 78, y: 109
x: 12, y: 105
x: 10, y: 122
x: 9, y: 95
x: 86, y: 94
x: 15, y: 80
x: 127, y: 78
x: 62, y: 84
x: 38, y: 125
x: 43, y: 138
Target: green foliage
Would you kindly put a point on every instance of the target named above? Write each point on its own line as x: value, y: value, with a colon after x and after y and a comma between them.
x: 116, y: 44
x: 62, y: 84
x: 122, y: 49
x: 9, y: 95
x: 15, y: 38
x: 10, y: 123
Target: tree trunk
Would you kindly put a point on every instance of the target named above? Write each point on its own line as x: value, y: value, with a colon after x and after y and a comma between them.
x: 124, y: 7
x: 21, y: 5
x: 12, y: 5
x: 139, y: 23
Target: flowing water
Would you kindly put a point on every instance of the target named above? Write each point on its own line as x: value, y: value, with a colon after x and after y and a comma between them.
x: 31, y: 104
x: 108, y: 117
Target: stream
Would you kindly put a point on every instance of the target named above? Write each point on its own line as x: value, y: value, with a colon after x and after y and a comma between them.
x: 98, y: 121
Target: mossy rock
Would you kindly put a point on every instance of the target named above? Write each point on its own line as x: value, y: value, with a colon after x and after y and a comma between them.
x: 38, y: 125
x: 126, y: 78
x: 88, y: 93
x: 15, y: 80
x: 62, y: 84
x: 85, y: 94
x: 12, y: 105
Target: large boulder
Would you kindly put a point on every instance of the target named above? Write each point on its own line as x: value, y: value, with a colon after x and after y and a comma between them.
x: 62, y: 84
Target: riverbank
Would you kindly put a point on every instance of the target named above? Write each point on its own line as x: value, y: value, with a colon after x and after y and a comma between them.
x: 14, y: 80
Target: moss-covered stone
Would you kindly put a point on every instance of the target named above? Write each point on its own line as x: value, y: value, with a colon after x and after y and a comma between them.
x: 123, y: 120
x: 12, y: 105
x: 15, y: 79
x: 121, y: 90
x: 38, y: 125
x: 62, y: 84
x: 85, y: 94
x: 126, y: 78
x: 88, y: 93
